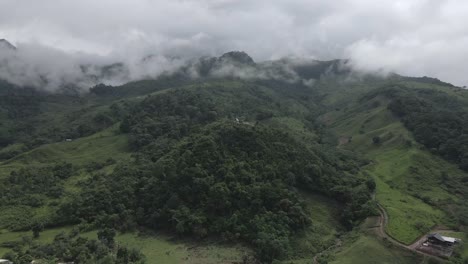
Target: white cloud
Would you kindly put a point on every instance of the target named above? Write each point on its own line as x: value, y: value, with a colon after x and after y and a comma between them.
x: 413, y: 37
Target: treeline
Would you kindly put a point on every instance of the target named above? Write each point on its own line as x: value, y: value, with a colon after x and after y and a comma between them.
x: 15, y: 104
x: 199, y: 172
x: 73, y: 248
x: 171, y: 115
x: 32, y: 118
x: 437, y: 120
x: 31, y: 187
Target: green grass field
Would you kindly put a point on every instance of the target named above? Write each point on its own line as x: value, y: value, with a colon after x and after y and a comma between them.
x: 409, y: 218
x: 156, y: 248
x: 368, y: 249
x: 323, y: 232
x: 46, y: 236
x: 408, y: 178
x: 97, y: 147
x: 165, y: 249
x: 408, y: 184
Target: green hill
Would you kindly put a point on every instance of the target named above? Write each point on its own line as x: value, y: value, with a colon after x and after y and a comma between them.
x: 242, y: 169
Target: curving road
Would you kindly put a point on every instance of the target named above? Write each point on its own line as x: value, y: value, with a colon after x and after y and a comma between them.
x: 383, y: 221
x: 413, y: 247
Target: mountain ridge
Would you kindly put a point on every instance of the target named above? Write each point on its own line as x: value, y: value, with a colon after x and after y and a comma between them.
x: 236, y: 158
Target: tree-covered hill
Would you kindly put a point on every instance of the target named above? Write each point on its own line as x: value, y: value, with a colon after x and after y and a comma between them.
x: 233, y: 157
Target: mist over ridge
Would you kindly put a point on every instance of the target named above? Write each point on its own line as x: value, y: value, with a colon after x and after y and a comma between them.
x: 411, y: 38
x: 50, y: 69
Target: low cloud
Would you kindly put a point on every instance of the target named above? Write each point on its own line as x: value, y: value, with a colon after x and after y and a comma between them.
x: 35, y: 65
x: 43, y: 67
x: 443, y: 59
x: 410, y: 37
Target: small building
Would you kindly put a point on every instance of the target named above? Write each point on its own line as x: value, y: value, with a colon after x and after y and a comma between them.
x: 5, y: 261
x: 438, y: 239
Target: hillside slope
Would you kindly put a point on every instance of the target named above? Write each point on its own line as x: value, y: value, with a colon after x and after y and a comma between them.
x: 283, y: 167
x: 251, y: 145
x: 418, y: 187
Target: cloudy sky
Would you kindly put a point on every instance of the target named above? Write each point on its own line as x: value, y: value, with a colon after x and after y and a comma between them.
x: 411, y: 37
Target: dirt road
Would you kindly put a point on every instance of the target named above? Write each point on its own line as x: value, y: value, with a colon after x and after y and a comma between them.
x: 383, y: 220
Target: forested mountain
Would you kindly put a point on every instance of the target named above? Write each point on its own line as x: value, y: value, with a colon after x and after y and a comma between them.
x: 282, y: 157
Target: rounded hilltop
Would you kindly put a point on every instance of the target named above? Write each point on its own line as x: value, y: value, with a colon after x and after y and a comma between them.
x: 237, y: 56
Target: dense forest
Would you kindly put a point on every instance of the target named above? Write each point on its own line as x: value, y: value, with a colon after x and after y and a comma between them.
x: 74, y: 248
x: 207, y: 161
x: 222, y: 158
x: 200, y: 173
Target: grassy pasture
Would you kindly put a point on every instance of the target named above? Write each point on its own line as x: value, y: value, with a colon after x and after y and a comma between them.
x: 368, y: 249
x: 409, y: 179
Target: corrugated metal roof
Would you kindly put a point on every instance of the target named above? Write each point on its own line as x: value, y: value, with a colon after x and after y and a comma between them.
x: 444, y: 238
x: 449, y: 239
